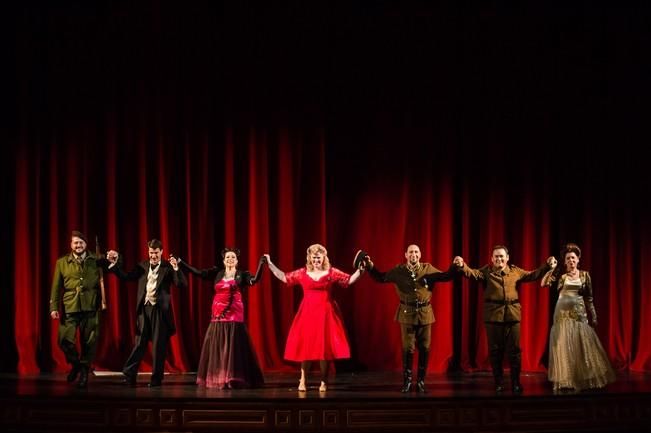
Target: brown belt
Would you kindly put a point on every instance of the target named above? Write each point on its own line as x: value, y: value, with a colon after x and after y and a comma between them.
x: 415, y: 304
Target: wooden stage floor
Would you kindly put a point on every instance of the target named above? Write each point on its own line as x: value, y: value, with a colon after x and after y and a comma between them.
x: 361, y: 402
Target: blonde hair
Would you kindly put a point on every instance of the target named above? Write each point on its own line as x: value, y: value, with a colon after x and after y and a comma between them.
x: 313, y: 249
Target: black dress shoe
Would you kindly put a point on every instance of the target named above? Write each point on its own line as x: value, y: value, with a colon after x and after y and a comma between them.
x: 420, y: 386
x: 517, y: 388
x: 129, y: 380
x: 74, y: 372
x: 154, y: 384
x: 499, y: 384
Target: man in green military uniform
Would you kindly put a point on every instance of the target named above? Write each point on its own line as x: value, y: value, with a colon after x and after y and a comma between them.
x: 76, y: 285
x: 414, y: 312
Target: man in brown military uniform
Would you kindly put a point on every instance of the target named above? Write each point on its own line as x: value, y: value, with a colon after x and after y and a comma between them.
x: 502, y: 311
x: 414, y: 312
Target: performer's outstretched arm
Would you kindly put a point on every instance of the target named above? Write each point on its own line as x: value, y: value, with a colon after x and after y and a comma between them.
x: 355, y: 276
x: 258, y: 272
x: 205, y: 274
x: 274, y: 269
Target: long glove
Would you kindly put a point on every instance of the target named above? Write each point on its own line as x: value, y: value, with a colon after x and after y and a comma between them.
x: 258, y: 272
x: 186, y: 266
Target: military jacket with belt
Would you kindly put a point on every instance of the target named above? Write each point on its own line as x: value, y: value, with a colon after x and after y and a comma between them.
x: 415, y: 295
x: 501, y: 301
x: 77, y: 284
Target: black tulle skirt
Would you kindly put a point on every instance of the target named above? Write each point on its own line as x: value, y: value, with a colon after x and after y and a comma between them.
x: 227, y: 358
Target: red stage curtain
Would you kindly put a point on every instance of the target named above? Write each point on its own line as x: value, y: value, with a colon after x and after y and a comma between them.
x: 367, y: 128
x: 278, y: 190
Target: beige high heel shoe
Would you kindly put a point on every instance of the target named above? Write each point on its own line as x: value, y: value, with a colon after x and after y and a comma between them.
x: 323, y: 387
x: 301, y: 386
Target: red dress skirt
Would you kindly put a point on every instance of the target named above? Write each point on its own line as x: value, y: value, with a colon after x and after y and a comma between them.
x: 317, y: 332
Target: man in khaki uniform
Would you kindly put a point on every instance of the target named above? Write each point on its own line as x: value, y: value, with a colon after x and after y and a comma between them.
x: 502, y: 311
x: 76, y: 285
x: 414, y: 312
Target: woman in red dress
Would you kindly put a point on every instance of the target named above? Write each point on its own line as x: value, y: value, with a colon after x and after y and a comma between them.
x: 317, y: 332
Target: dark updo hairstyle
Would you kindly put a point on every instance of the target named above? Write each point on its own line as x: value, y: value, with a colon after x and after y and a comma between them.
x: 570, y: 248
x: 230, y: 250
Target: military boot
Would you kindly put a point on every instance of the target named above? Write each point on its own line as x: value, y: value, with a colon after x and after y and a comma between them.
x: 407, y: 363
x: 83, y: 377
x: 423, y: 357
x: 516, y: 386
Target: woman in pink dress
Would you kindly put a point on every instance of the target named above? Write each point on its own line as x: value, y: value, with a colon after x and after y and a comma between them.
x: 227, y: 357
x: 317, y: 332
